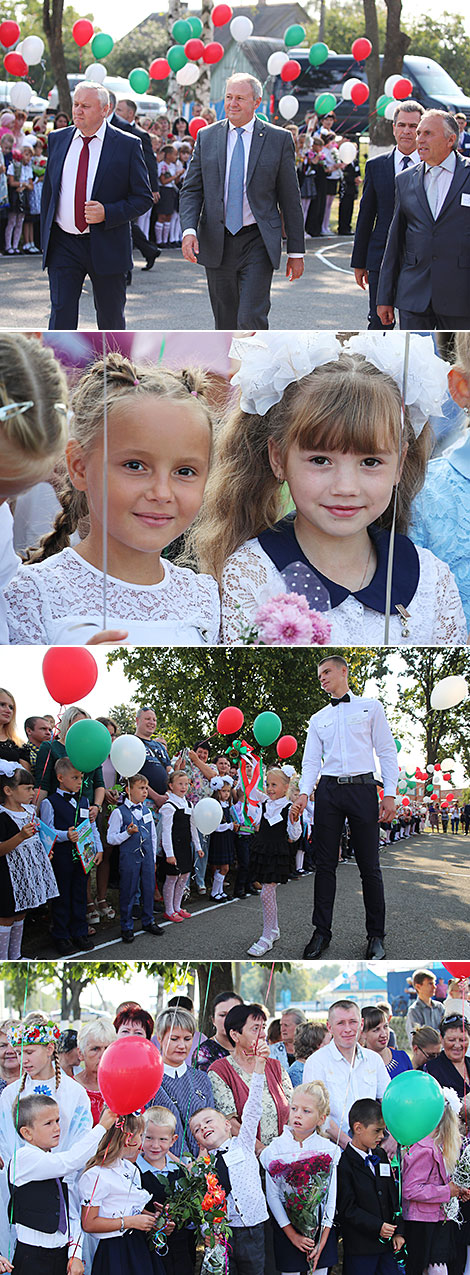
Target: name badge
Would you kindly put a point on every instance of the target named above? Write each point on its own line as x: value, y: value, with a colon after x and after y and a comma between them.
x: 234, y: 1155
x: 83, y: 814
x: 148, y: 818
x: 384, y: 1171
x: 465, y: 200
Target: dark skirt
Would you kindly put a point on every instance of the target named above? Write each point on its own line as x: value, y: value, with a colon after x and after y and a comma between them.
x: 290, y: 1258
x: 184, y: 863
x: 221, y: 849
x: 29, y: 1260
x: 7, y: 904
x: 270, y: 866
x: 429, y: 1243
x: 127, y: 1255
x: 168, y: 201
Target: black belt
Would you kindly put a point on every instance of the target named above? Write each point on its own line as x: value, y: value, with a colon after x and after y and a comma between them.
x: 354, y: 779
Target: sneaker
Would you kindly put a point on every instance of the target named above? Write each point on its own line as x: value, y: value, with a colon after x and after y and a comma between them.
x: 201, y: 889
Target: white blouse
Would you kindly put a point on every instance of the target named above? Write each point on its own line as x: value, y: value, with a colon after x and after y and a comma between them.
x: 118, y: 1192
x: 287, y: 1149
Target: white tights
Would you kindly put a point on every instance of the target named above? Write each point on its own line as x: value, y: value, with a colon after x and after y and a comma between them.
x: 269, y: 905
x: 173, y: 890
x: 436, y: 1268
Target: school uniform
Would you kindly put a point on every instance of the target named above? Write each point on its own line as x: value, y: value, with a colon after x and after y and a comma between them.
x: 61, y: 811
x: 287, y: 1149
x: 117, y: 1192
x: 237, y: 1169
x: 137, y: 852
x: 367, y: 1197
x: 180, y: 838
x: 270, y: 853
x: 181, y: 1255
x: 43, y: 1209
x: 222, y: 841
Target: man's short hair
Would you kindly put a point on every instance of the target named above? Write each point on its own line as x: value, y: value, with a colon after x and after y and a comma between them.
x: 460, y: 115
x: 255, y: 84
x: 30, y: 723
x: 343, y: 1005
x: 132, y: 106
x: 333, y: 659
x: 449, y: 123
x: 365, y: 1111
x: 98, y: 88
x: 112, y: 99
x: 420, y: 976
x: 409, y: 108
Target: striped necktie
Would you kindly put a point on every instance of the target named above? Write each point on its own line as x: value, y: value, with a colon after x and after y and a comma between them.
x: 234, y: 207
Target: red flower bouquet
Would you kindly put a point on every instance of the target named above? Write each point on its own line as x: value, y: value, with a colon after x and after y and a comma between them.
x: 305, y: 1183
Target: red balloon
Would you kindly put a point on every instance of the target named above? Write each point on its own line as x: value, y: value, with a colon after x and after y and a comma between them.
x: 9, y: 34
x: 438, y: 766
x: 129, y: 1074
x: 194, y: 49
x: 194, y: 125
x: 405, y: 801
x: 69, y: 675
x: 458, y: 969
x: 15, y: 64
x: 230, y: 720
x: 418, y: 773
x: 286, y: 746
x: 359, y: 93
x: 213, y: 52
x: 160, y: 69
x: 402, y: 89
x: 291, y: 70
x: 447, y: 777
x: 83, y: 31
x: 221, y: 14
x: 381, y: 793
x: 361, y: 49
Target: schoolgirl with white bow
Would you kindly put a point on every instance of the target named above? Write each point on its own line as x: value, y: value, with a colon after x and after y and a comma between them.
x: 26, y: 877
x: 180, y: 843
x: 325, y: 420
x: 222, y: 841
x: 270, y: 855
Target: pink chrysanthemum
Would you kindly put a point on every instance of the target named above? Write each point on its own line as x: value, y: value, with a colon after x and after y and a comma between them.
x: 286, y: 620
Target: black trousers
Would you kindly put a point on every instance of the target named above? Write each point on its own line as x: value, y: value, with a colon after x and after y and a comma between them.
x: 29, y: 1260
x: 69, y: 263
x: 430, y: 320
x: 359, y: 804
x: 69, y: 910
x: 374, y: 323
x: 239, y: 289
x: 246, y: 1248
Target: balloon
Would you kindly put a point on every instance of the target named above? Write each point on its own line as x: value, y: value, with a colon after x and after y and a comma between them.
x: 458, y: 969
x: 96, y: 72
x: 430, y: 769
x: 176, y: 57
x: 32, y: 49
x: 402, y: 785
x: 275, y: 63
x: 291, y: 70
x: 207, y: 815
x: 412, y: 1106
x: 196, y: 26
x: 230, y: 720
x: 194, y: 49
x: 195, y: 124
x: 21, y: 95
x: 318, y: 53
x: 346, y: 89
x: 286, y: 746
x: 288, y: 106
x: 389, y: 112
x: 359, y: 93
x: 260, y: 116
x: 402, y: 89
x: 449, y: 692
x: 69, y: 677
x: 266, y: 728
x: 221, y: 15
x: 86, y: 744
x: 181, y: 31
x: 361, y: 49
x: 187, y: 74
x: 101, y: 45
x: 438, y: 766
x: 213, y: 52
x: 128, y: 755
x: 15, y: 64
x: 390, y: 83
x: 129, y: 1074
x: 9, y: 34
x: 82, y: 32
x: 382, y: 102
x: 294, y: 35
x: 397, y: 743
x: 241, y: 28
x: 447, y: 777
x: 405, y: 801
x: 159, y: 69
x: 139, y: 79
x: 448, y: 763
x: 429, y: 787
x: 325, y: 103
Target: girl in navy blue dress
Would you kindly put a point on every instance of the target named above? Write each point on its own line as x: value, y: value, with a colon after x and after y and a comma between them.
x: 270, y: 858
x: 222, y: 841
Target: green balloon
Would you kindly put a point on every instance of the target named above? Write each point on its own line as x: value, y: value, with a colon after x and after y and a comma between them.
x: 429, y: 787
x: 181, y: 31
x: 411, y: 784
x: 318, y: 53
x: 86, y: 744
x: 412, y: 1106
x: 260, y: 116
x: 176, y: 57
x: 196, y: 27
x: 382, y: 102
x: 325, y: 103
x: 139, y: 79
x: 397, y: 743
x: 101, y: 45
x: 267, y: 728
x: 294, y: 35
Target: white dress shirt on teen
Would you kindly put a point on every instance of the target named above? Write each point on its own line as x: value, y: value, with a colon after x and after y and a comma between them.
x: 65, y: 212
x: 167, y: 814
x: 286, y: 1148
x: 350, y: 738
x: 31, y: 1164
x: 367, y: 1077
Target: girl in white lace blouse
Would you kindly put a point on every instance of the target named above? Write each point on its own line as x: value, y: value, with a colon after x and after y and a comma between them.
x: 159, y: 441
x: 326, y: 420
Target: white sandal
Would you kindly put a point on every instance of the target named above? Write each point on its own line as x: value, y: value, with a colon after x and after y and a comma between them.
x: 259, y: 948
x: 105, y: 910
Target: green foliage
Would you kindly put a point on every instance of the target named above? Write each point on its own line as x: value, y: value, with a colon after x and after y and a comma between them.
x: 28, y: 14
x: 439, y: 733
x: 344, y: 22
x: 124, y: 716
x: 69, y: 978
x: 447, y: 41
x: 139, y: 48
x: 303, y: 983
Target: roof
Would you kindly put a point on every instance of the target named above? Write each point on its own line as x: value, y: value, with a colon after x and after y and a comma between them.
x: 268, y: 20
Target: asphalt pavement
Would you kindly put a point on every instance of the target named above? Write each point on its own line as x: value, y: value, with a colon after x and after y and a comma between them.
x: 173, y: 295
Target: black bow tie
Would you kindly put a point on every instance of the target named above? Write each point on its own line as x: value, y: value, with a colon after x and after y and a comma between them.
x: 345, y: 699
x: 136, y: 807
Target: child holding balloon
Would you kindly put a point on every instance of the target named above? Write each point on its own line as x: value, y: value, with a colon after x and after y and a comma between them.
x: 26, y: 877
x: 427, y: 1186
x: 114, y: 1204
x: 270, y: 859
x: 222, y: 840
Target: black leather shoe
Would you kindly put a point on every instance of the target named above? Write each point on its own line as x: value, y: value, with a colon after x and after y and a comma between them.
x: 152, y: 929
x: 251, y: 889
x: 151, y: 260
x: 239, y: 894
x: 318, y: 944
x: 127, y: 936
x: 375, y: 949
x: 128, y: 278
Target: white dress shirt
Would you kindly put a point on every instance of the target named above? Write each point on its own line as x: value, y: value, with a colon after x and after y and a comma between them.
x: 167, y: 815
x: 46, y: 813
x: 117, y: 834
x: 287, y: 1149
x: 117, y: 1192
x: 31, y: 1164
x: 398, y: 160
x: 366, y: 1078
x: 443, y: 181
x: 363, y: 1155
x: 65, y: 211
x: 350, y: 738
x: 9, y: 563
x: 246, y: 1205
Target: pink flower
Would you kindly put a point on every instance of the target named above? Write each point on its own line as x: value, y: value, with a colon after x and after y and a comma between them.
x: 286, y: 620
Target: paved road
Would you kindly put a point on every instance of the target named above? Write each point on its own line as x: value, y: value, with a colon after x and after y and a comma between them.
x: 427, y: 885
x: 174, y: 295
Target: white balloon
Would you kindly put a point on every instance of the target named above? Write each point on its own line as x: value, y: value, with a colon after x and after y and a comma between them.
x: 449, y: 692
x: 275, y: 63
x: 207, y: 815
x: 188, y: 74
x: 347, y: 87
x: 402, y: 785
x: 347, y: 152
x: 21, y: 95
x: 96, y: 72
x: 241, y: 28
x: 19, y: 47
x: 53, y: 98
x: 390, y: 110
x: 32, y: 49
x: 430, y: 769
x: 390, y: 84
x: 426, y: 801
x: 128, y: 754
x: 448, y: 763
x: 288, y: 106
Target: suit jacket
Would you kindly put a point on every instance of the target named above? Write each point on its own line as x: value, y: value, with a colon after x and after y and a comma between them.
x: 464, y: 148
x: 365, y: 1201
x: 271, y: 187
x: 375, y: 212
x: 144, y: 138
x: 426, y: 261
x: 121, y: 184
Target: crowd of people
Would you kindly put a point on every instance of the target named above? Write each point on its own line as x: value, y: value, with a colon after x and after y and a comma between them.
x: 260, y: 1097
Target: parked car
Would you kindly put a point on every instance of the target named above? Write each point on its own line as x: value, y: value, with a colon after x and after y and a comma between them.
x: 146, y: 103
x: 36, y: 105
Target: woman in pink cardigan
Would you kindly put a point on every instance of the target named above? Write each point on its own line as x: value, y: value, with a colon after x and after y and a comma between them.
x: 427, y: 1187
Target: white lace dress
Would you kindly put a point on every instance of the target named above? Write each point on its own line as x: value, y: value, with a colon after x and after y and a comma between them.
x: 61, y: 600
x: 32, y: 879
x: 436, y: 613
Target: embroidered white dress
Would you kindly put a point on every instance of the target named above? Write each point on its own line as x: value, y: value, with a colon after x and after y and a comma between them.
x: 32, y: 879
x: 61, y: 600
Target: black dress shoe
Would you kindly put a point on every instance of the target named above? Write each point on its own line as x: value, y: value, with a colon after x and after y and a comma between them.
x: 239, y: 894
x: 318, y: 944
x: 251, y: 889
x: 153, y: 928
x: 151, y: 260
x: 84, y: 944
x: 375, y: 949
x: 65, y: 946
x: 127, y: 936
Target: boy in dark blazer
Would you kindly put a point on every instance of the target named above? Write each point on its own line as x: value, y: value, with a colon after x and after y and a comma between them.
x: 368, y: 1203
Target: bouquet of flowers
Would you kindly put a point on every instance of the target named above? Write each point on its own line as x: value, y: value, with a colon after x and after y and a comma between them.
x: 305, y: 1184
x: 286, y: 620
x: 197, y: 1198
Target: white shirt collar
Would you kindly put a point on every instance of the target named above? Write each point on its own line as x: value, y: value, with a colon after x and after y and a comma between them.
x: 70, y: 796
x: 247, y: 128
x: 100, y: 132
x: 448, y: 163
x: 359, y: 1151
x: 175, y: 1071
x: 400, y: 156
x: 359, y: 1054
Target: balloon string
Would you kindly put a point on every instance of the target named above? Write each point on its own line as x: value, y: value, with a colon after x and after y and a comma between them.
x: 391, y: 547
x: 268, y: 989
x: 17, y: 1112
x: 194, y: 1062
x: 88, y: 1207
x: 54, y: 735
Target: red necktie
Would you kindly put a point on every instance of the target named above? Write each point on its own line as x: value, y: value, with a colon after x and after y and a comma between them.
x: 80, y: 185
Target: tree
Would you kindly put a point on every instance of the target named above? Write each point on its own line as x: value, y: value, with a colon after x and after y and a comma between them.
x: 212, y: 978
x: 447, y: 41
x: 124, y: 716
x: 139, y: 48
x: 395, y: 47
x: 440, y: 732
x: 52, y: 18
x: 70, y: 978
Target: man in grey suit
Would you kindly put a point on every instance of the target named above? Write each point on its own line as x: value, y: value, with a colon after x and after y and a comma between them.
x: 426, y: 265
x: 241, y: 178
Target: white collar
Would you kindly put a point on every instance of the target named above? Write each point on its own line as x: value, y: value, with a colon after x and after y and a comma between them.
x: 175, y: 1071
x: 359, y: 1151
x: 414, y: 156
x: 179, y: 801
x: 225, y: 1146
x: 247, y: 128
x: 100, y: 132
x: 358, y: 1056
x: 448, y: 163
x: 133, y: 805
x: 277, y: 805
x: 70, y: 796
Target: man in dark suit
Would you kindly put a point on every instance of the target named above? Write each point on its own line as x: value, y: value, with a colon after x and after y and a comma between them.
x: 96, y: 183
x: 464, y: 137
x: 426, y: 266
x: 376, y: 207
x: 242, y: 176
x: 124, y: 118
